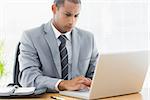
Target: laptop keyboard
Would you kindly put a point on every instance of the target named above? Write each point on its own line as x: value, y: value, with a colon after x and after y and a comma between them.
x: 79, y: 94
x: 84, y: 90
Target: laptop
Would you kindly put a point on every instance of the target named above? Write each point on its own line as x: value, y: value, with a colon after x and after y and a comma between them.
x: 115, y: 74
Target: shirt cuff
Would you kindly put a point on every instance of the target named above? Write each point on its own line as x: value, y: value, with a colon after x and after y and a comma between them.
x: 56, y: 85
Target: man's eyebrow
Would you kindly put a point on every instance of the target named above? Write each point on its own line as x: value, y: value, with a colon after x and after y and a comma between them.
x: 68, y: 12
x: 71, y: 13
x: 77, y: 14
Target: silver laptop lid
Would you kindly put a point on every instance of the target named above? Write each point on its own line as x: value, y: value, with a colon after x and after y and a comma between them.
x: 119, y: 73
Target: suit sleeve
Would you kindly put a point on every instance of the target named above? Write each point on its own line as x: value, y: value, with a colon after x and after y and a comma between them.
x: 30, y: 66
x: 93, y: 60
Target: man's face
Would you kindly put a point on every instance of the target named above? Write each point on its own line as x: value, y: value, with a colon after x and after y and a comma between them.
x: 65, y: 16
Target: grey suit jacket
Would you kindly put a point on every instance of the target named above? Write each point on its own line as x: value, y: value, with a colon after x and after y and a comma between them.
x: 39, y: 57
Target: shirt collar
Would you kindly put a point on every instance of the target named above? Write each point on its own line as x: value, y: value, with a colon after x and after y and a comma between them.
x: 57, y: 33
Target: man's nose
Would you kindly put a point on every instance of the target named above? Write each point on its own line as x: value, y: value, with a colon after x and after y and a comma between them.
x: 72, y: 20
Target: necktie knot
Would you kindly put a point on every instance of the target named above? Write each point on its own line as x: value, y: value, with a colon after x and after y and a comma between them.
x: 62, y: 38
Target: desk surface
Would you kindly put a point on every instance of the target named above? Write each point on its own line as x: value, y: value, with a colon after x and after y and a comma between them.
x: 143, y: 95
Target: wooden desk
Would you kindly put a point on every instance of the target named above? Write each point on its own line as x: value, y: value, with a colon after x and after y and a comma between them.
x: 143, y: 95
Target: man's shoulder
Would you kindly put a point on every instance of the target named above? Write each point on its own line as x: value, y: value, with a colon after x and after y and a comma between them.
x: 35, y: 30
x: 83, y: 33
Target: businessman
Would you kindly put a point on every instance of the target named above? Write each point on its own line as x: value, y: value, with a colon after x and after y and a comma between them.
x: 57, y: 55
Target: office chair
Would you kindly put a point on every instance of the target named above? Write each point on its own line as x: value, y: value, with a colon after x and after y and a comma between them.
x: 16, y: 68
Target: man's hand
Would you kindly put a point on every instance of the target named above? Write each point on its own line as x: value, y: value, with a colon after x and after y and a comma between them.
x: 77, y: 83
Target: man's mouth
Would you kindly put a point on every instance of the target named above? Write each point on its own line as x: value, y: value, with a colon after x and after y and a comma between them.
x: 69, y: 27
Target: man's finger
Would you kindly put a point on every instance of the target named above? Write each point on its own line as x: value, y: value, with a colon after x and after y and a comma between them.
x: 82, y: 86
x: 85, y: 82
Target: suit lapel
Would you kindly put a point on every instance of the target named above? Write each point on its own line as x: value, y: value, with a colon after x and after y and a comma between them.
x: 75, y: 49
x: 52, y: 42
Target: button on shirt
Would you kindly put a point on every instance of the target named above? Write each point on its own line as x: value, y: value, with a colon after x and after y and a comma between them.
x: 68, y: 47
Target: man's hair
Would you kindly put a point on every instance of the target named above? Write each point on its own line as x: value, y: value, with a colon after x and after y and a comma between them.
x: 61, y: 2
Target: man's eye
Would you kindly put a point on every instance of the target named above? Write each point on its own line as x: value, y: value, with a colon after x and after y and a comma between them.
x: 76, y: 15
x: 68, y: 15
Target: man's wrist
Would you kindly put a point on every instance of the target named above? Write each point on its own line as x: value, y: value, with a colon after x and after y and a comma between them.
x: 56, y: 85
x: 61, y: 85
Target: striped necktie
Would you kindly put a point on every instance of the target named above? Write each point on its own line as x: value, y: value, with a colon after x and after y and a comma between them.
x: 64, y: 57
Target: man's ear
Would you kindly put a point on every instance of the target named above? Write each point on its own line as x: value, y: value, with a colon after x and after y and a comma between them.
x: 54, y: 8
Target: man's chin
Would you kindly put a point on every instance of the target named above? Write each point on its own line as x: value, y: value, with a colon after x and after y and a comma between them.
x: 69, y: 29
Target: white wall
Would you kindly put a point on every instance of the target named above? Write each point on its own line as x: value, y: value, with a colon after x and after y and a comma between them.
x: 118, y: 25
